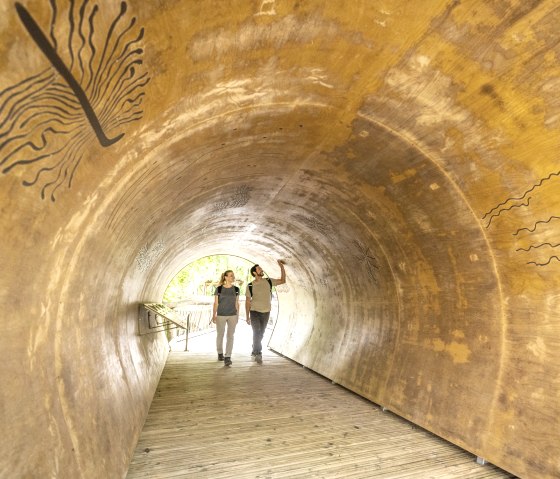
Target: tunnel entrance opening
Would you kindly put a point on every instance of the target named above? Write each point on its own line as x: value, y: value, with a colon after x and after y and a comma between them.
x: 191, y: 294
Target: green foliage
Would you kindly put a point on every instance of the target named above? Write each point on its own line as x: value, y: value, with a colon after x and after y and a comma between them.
x: 200, y: 277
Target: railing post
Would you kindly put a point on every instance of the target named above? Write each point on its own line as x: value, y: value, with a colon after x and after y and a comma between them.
x: 187, y: 331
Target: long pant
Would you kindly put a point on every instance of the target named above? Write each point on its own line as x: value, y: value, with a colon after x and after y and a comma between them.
x: 259, y: 321
x: 221, y: 322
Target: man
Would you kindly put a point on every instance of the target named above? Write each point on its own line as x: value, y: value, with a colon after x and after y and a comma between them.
x: 257, y: 304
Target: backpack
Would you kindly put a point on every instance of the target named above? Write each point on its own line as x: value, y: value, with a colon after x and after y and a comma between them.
x: 250, y: 286
x: 219, y: 290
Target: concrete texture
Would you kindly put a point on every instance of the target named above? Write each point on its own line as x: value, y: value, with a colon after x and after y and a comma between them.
x: 401, y: 156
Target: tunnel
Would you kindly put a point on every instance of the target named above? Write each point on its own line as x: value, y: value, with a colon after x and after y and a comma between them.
x: 401, y: 157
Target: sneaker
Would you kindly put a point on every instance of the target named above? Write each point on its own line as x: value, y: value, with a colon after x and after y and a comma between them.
x: 253, y: 357
x: 227, y: 361
x: 220, y: 357
x: 258, y: 358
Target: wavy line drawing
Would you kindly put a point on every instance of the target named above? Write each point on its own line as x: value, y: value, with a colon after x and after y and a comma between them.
x: 545, y: 264
x: 538, y: 246
x: 536, y: 185
x: 241, y: 197
x: 148, y: 254
x: 508, y: 209
x: 93, y: 87
x: 534, y: 228
x: 313, y: 223
x: 365, y: 258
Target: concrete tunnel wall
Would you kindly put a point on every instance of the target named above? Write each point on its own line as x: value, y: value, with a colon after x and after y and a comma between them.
x: 401, y: 156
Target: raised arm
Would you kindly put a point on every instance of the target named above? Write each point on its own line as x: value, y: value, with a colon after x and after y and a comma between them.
x: 282, y: 278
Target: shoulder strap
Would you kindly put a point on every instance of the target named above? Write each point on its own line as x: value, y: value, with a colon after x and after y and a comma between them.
x: 269, y: 283
x: 236, y: 291
x: 219, y: 289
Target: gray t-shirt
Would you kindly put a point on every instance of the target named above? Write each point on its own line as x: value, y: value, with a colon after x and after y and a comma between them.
x: 226, y: 301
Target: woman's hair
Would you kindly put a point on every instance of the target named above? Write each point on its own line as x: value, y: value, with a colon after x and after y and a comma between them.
x: 223, y: 277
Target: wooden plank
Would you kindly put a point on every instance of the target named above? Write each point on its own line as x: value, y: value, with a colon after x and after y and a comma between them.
x: 279, y: 420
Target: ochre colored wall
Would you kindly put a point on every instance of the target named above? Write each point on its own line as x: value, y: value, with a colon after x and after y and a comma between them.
x: 401, y: 156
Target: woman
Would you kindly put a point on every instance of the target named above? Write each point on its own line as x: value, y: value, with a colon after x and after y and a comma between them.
x: 226, y: 312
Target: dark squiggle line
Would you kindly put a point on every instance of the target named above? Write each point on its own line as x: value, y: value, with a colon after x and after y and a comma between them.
x: 101, y: 67
x: 532, y: 230
x: 102, y: 87
x: 72, y: 173
x: 20, y: 84
x: 31, y: 134
x: 129, y: 44
x: 118, y: 95
x: 123, y: 69
x: 68, y: 102
x: 33, y: 160
x: 130, y: 104
x: 30, y: 144
x: 125, y: 53
x: 81, y: 35
x: 524, y: 194
x: 508, y: 209
x: 24, y: 110
x: 538, y: 246
x: 28, y: 96
x: 127, y: 118
x: 58, y: 181
x: 71, y: 124
x: 545, y: 264
x: 68, y: 145
x: 47, y: 109
x: 56, y: 61
x: 130, y: 119
x: 91, y: 21
x: 122, y: 85
x: 53, y: 22
x: 69, y: 159
x: 20, y: 107
x: 123, y: 114
x: 71, y: 33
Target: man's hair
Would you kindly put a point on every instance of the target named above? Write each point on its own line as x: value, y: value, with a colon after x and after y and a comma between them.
x: 254, y: 270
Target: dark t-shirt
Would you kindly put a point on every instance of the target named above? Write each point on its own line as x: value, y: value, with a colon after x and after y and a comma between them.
x: 226, y: 300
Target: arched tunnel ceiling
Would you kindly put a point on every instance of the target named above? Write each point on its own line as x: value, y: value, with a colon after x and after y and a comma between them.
x: 401, y: 156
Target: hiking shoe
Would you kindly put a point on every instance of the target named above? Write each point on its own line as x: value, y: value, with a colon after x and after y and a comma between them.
x: 220, y: 357
x: 227, y: 361
x: 258, y: 358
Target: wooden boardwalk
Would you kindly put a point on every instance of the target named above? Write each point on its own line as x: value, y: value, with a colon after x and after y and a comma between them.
x: 279, y: 420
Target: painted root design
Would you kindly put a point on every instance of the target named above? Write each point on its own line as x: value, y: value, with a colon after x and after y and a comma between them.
x: 536, y: 240
x: 93, y: 86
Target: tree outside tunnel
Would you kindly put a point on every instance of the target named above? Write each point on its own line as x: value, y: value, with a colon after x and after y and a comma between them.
x: 199, y: 278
